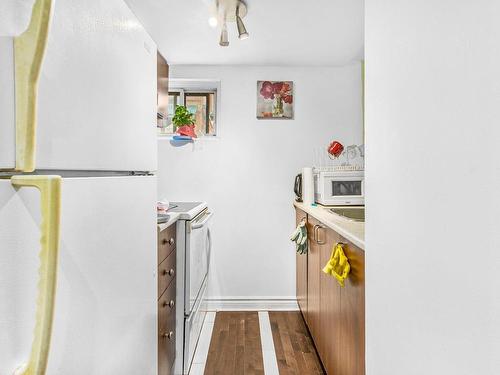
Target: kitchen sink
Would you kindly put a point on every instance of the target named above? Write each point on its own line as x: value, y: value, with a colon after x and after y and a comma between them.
x: 350, y: 213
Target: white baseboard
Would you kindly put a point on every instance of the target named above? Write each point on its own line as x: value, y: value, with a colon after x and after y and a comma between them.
x: 251, y: 304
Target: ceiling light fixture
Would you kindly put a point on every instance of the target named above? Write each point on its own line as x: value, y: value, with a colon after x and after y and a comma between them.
x: 224, y: 41
x: 233, y: 11
x: 242, y: 31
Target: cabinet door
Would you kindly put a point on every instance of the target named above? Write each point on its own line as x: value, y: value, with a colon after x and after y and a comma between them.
x: 329, y: 342
x: 352, y: 314
x: 313, y: 277
x: 301, y: 272
x: 166, y: 330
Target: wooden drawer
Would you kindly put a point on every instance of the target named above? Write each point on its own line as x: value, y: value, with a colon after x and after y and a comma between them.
x: 166, y: 273
x: 166, y: 309
x: 166, y: 355
x: 166, y: 242
x: 166, y: 330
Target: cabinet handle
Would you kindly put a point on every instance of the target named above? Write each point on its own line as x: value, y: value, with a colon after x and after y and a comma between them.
x: 171, y: 304
x: 168, y: 335
x: 321, y: 226
x: 170, y: 241
x: 170, y: 272
x: 315, y: 228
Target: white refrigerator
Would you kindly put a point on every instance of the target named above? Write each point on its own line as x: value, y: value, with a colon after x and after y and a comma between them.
x: 95, y: 128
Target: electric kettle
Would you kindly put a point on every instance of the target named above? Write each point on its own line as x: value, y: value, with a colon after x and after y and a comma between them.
x: 298, y: 187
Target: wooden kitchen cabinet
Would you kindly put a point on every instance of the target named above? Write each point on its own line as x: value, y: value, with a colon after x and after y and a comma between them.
x: 352, y: 314
x: 166, y: 299
x: 162, y: 72
x: 166, y: 330
x: 313, y: 280
x: 166, y: 242
x: 330, y: 311
x: 334, y: 315
x: 301, y: 272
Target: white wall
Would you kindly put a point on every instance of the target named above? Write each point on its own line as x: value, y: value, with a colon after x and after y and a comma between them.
x: 246, y: 175
x: 433, y: 187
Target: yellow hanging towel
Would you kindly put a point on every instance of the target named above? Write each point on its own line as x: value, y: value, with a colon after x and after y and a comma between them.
x: 338, y: 266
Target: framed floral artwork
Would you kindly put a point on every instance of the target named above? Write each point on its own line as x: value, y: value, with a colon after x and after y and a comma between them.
x: 274, y: 99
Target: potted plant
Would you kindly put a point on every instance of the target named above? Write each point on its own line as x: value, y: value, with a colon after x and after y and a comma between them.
x: 183, y: 121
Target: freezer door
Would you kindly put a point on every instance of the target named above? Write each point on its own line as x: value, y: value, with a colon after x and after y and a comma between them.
x: 105, y: 318
x: 7, y: 104
x: 97, y: 90
x: 21, y: 58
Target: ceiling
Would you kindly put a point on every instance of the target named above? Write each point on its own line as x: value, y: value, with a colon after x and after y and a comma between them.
x: 282, y: 32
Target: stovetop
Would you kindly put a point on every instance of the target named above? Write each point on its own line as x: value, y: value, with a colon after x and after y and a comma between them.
x: 185, y: 210
x: 180, y: 207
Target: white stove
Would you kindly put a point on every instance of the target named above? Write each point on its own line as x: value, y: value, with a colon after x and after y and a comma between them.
x: 193, y: 259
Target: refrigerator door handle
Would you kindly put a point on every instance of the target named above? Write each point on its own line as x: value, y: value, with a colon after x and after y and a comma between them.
x: 29, y: 49
x: 50, y: 191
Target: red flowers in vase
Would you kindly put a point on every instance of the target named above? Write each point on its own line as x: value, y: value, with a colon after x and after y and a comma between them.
x: 282, y: 89
x: 280, y: 92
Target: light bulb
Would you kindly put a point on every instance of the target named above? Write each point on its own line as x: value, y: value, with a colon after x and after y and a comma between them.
x: 212, y: 21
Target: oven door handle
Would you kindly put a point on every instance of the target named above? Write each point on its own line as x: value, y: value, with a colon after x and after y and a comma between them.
x: 209, y: 238
x: 200, y: 224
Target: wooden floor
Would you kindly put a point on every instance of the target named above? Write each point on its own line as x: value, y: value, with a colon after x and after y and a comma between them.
x: 235, y: 346
x: 294, y: 347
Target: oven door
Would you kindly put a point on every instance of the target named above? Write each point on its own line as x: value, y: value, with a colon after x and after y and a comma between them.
x: 198, y: 246
x: 192, y: 328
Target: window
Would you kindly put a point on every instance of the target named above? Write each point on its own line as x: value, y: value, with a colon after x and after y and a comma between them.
x: 202, y: 105
x: 200, y: 98
x: 173, y: 101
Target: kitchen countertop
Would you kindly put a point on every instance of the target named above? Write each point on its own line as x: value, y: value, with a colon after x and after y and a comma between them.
x: 182, y: 211
x: 353, y: 231
x: 174, y: 216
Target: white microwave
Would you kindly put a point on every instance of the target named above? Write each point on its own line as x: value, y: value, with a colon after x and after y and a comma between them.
x: 339, y: 188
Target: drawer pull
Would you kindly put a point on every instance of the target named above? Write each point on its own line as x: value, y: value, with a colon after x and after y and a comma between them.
x: 170, y: 241
x: 168, y: 335
x: 171, y: 304
x: 170, y: 272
